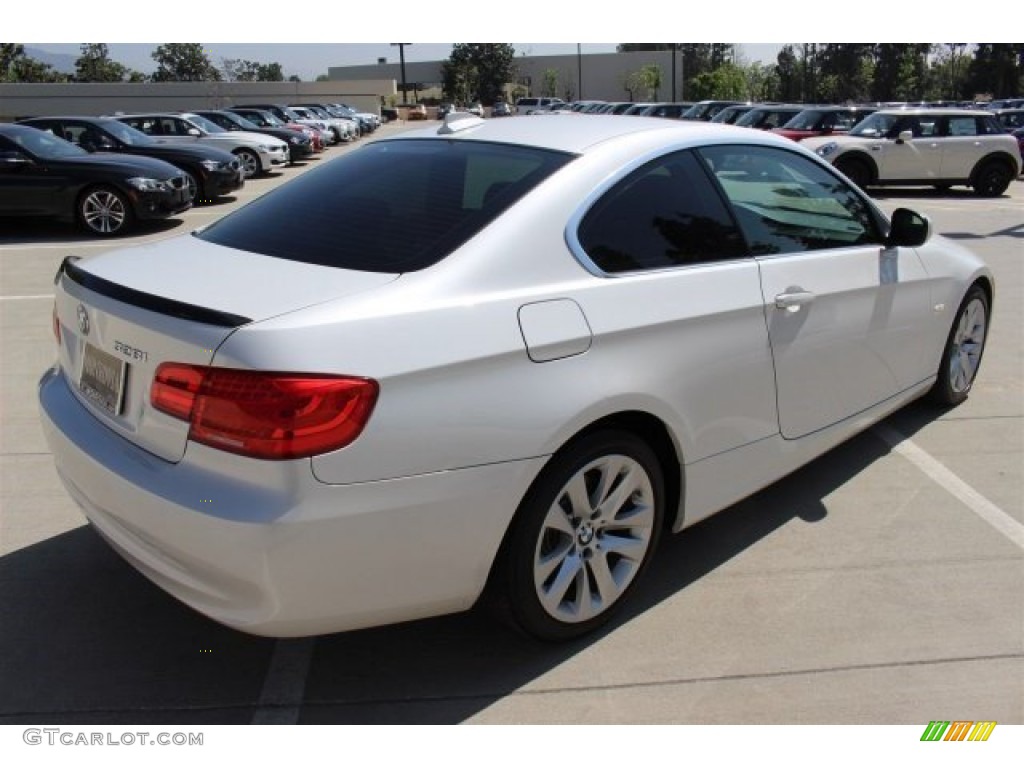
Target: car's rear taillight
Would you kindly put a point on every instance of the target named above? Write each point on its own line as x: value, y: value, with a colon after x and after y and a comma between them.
x: 265, y: 415
x: 56, y: 324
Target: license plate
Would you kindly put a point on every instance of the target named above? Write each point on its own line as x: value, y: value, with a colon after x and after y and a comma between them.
x: 102, y: 379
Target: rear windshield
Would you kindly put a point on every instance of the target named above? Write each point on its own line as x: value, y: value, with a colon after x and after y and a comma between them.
x: 392, y: 206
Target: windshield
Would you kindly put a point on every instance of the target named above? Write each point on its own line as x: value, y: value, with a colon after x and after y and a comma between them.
x: 805, y: 121
x: 390, y: 207
x: 291, y: 114
x: 44, y: 144
x: 241, y: 122
x: 206, y: 125
x: 874, y: 125
x: 126, y: 134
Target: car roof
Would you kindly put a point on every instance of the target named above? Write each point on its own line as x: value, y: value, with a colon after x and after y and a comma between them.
x: 933, y: 111
x: 568, y: 133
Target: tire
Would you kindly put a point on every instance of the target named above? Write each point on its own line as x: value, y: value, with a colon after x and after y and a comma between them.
x: 250, y: 162
x: 962, y: 354
x: 104, y: 211
x: 991, y: 179
x: 195, y: 191
x: 570, y: 563
x: 856, y: 171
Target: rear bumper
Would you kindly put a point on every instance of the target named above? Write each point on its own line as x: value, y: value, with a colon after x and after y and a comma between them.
x: 266, y: 548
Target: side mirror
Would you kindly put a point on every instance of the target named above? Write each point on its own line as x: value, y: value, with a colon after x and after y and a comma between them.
x: 904, y: 137
x: 908, y: 228
x: 194, y: 132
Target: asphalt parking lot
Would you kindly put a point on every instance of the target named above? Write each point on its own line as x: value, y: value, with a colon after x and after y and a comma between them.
x: 880, y: 584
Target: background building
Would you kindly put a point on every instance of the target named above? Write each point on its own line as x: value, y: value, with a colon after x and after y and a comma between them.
x: 604, y: 76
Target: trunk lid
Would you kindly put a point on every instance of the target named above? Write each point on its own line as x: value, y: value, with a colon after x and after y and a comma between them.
x: 124, y: 313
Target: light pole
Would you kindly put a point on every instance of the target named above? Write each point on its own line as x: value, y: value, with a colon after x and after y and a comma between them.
x: 401, y: 58
x: 579, y: 69
x: 673, y: 71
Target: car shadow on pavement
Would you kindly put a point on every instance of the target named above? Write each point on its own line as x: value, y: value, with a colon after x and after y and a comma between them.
x: 85, y: 639
x: 925, y: 193
x: 445, y: 671
x: 36, y: 231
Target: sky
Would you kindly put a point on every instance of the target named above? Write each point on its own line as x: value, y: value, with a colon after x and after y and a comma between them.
x: 307, y: 60
x: 309, y: 38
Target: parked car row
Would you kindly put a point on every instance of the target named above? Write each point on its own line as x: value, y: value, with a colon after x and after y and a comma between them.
x: 41, y: 174
x: 873, y: 145
x: 107, y: 172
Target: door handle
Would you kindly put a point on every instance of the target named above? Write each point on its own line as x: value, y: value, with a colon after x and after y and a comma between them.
x: 793, y: 300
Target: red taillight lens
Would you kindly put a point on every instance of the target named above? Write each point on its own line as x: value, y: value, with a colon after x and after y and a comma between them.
x: 265, y: 415
x: 56, y: 324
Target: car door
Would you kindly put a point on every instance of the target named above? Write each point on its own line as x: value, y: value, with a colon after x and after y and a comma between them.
x: 961, y: 144
x: 918, y: 158
x: 682, y: 303
x: 32, y: 187
x: 847, y: 318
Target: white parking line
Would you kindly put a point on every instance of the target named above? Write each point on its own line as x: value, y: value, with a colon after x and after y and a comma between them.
x: 978, y: 504
x: 34, y: 297
x: 285, y: 684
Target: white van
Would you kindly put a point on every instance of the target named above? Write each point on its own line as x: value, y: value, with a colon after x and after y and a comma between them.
x: 528, y: 103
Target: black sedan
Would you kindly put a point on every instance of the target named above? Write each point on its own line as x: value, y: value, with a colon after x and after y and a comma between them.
x: 299, y: 145
x: 210, y: 172
x: 43, y: 175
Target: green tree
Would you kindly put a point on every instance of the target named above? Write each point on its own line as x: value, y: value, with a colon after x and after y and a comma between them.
x: 479, y: 70
x: 183, y: 62
x: 459, y: 80
x: 787, y: 70
x: 550, y: 82
x: 996, y: 69
x: 845, y: 72
x: 18, y: 67
x: 726, y: 82
x: 762, y: 82
x: 96, y: 66
x: 651, y: 77
x: 899, y: 73
x: 270, y: 73
x: 947, y: 72
x: 632, y: 84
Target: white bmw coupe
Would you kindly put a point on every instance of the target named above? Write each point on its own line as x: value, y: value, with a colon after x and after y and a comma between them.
x: 507, y: 354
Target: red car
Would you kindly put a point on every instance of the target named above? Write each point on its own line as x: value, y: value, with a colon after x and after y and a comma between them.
x: 823, y: 121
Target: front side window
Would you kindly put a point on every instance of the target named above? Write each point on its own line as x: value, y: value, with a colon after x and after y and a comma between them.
x: 875, y: 126
x: 665, y: 214
x: 787, y: 203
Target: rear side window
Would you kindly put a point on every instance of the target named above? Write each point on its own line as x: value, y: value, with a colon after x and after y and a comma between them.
x: 392, y: 206
x: 666, y: 214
